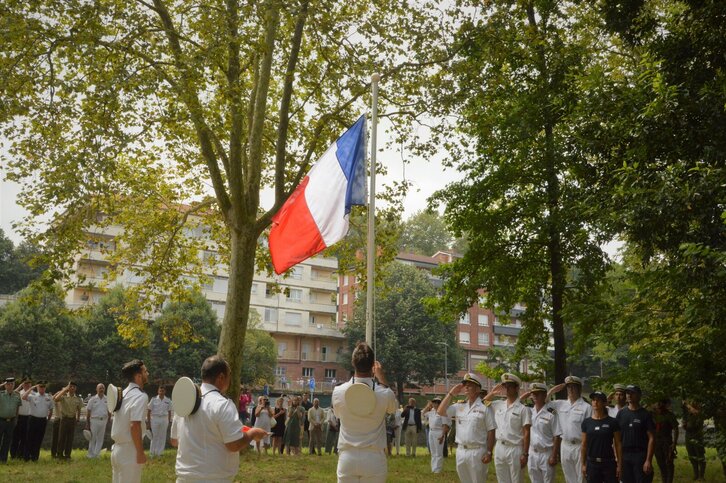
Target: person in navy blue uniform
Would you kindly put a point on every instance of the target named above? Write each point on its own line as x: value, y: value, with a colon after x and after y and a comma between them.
x: 600, y: 434
x: 638, y: 432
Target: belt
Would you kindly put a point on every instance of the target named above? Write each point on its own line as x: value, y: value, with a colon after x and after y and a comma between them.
x: 99, y: 417
x: 7, y: 419
x: 573, y: 441
x: 542, y: 450
x: 504, y: 442
x: 600, y: 460
x: 472, y: 446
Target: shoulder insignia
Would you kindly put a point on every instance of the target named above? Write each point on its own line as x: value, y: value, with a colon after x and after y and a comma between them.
x: 552, y: 410
x: 487, y: 403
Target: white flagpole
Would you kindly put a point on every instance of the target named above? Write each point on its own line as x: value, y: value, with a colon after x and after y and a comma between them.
x: 370, y: 280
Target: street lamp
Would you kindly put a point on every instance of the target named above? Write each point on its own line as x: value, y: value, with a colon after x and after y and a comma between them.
x: 446, y: 363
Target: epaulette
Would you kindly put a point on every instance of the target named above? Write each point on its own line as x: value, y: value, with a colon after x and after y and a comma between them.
x: 552, y: 410
x: 487, y: 403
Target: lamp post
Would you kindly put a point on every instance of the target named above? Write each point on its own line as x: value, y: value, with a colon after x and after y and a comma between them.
x: 446, y: 363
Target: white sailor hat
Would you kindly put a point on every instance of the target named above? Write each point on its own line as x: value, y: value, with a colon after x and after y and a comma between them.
x: 508, y: 377
x: 538, y: 387
x: 573, y: 380
x: 473, y: 378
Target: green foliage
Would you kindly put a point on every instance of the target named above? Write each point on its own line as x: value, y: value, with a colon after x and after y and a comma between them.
x: 424, y: 233
x: 39, y: 337
x: 17, y: 265
x: 407, y: 336
x: 258, y: 367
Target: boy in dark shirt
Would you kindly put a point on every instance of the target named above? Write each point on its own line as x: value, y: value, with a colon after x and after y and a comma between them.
x: 600, y: 433
x: 638, y: 438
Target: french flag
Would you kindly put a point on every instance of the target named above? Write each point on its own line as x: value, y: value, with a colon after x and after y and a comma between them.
x: 316, y: 214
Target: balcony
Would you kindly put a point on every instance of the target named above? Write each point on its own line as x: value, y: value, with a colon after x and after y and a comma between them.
x: 509, y: 330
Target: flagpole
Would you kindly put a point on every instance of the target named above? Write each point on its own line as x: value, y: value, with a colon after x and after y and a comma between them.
x: 370, y: 279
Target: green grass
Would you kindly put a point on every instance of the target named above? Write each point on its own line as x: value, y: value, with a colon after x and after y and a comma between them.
x: 269, y: 468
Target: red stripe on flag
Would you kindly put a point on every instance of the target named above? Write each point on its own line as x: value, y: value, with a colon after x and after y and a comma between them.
x: 294, y: 236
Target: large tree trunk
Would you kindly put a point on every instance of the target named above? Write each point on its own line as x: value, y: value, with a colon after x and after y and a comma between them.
x: 234, y: 325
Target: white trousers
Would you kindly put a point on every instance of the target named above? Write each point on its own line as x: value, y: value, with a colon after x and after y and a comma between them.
x: 397, y: 439
x: 539, y: 467
x: 469, y: 466
x: 571, y: 462
x: 123, y: 463
x: 158, y: 435
x: 362, y: 465
x: 506, y: 462
x: 98, y: 430
x: 437, y: 450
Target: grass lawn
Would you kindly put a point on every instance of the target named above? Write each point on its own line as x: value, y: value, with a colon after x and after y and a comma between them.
x: 268, y: 468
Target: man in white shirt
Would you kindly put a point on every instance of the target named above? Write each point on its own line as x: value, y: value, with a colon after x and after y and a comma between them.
x: 397, y: 430
x: 209, y: 441
x: 158, y: 418
x: 96, y: 420
x: 513, y: 423
x: 127, y: 454
x: 545, y: 436
x: 19, y: 444
x: 571, y: 413
x: 362, y: 440
x: 437, y: 433
x: 316, y: 416
x: 41, y: 409
x: 475, y: 430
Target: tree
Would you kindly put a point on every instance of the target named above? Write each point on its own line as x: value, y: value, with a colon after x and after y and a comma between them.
x: 407, y: 335
x: 122, y: 112
x: 528, y: 203
x: 39, y: 337
x: 424, y: 233
x: 17, y: 269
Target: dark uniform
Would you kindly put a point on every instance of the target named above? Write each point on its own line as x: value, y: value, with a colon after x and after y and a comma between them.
x: 635, y: 426
x: 693, y: 424
x: 9, y: 404
x: 601, y: 464
x: 665, y: 423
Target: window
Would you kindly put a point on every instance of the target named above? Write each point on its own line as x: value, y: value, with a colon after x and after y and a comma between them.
x: 294, y: 295
x: 464, y: 319
x: 483, y: 338
x: 281, y: 349
x: 269, y: 293
x: 270, y: 315
x: 254, y: 289
x: 345, y: 283
x: 293, y: 318
x: 330, y: 373
x: 464, y: 338
x: 306, y: 352
x: 324, y: 354
x: 345, y: 299
x: 280, y: 371
x: 496, y: 320
x: 308, y: 371
x: 483, y: 320
x: 297, y: 273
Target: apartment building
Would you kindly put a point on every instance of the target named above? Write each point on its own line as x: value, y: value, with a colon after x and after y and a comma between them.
x: 299, y: 311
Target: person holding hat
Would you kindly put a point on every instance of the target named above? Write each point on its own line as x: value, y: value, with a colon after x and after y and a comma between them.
x: 638, y: 430
x: 96, y: 420
x: 571, y: 413
x: 600, y: 434
x: 209, y: 441
x: 475, y: 429
x: 514, y: 421
x: 437, y: 433
x: 618, y: 397
x: 18, y: 448
x: 70, y: 413
x: 127, y: 452
x: 41, y: 410
x: 362, y: 439
x: 9, y: 405
x: 544, y: 436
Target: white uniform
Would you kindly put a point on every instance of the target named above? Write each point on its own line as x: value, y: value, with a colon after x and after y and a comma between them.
x: 511, y: 420
x: 40, y: 405
x: 202, y: 454
x: 436, y: 430
x: 362, y: 439
x: 160, y: 413
x: 571, y: 416
x: 397, y: 430
x: 613, y: 411
x: 97, y: 410
x: 123, y: 454
x: 473, y: 423
x: 545, y: 426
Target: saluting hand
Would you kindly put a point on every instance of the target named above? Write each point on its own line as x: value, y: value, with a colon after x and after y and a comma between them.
x: 457, y: 389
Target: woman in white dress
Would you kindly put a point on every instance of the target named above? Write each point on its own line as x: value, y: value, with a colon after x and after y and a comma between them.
x: 263, y: 420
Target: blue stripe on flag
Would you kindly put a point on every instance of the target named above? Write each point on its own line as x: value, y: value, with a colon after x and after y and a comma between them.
x: 351, y: 154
